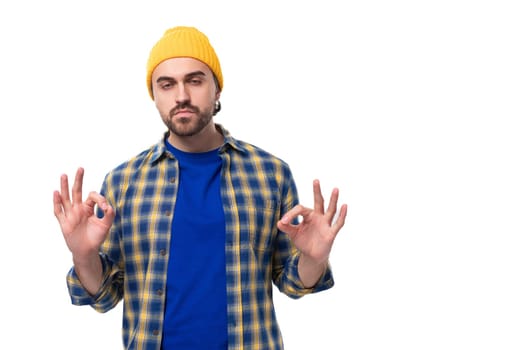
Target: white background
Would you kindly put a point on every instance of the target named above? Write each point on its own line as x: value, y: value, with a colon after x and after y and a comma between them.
x: 414, y: 109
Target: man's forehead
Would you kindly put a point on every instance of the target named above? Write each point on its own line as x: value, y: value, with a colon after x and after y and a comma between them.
x: 180, y: 67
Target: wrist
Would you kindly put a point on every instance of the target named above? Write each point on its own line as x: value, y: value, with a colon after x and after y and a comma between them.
x: 313, y: 262
x: 86, y: 260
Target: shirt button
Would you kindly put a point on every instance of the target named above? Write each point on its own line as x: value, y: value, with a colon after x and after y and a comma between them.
x: 163, y: 252
x: 172, y: 179
x: 167, y: 213
x: 159, y: 291
x: 156, y: 332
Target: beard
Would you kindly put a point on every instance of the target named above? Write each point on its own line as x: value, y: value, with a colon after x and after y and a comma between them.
x: 183, y: 127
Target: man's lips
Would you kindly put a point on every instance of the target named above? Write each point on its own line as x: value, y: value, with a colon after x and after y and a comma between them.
x: 183, y: 112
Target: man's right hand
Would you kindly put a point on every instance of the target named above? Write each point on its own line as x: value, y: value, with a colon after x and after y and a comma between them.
x: 83, y: 231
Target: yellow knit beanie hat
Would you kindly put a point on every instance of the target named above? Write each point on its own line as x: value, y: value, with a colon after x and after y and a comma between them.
x: 183, y: 42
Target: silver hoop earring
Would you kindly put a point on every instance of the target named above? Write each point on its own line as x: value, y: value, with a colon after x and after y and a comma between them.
x: 217, y: 107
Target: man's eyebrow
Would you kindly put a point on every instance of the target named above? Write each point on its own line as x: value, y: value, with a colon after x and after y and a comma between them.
x: 196, y: 73
x: 189, y: 75
x: 163, y: 78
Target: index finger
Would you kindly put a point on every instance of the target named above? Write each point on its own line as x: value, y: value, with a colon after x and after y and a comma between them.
x: 292, y: 214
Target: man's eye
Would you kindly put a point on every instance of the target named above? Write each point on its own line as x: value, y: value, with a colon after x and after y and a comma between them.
x: 166, y: 85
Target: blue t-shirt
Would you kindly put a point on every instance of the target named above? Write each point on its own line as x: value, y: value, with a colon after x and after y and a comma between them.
x: 195, y: 314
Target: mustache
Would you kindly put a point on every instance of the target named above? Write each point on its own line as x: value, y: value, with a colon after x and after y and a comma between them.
x: 184, y: 105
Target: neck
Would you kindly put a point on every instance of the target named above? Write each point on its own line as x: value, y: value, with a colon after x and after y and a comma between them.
x: 207, y: 139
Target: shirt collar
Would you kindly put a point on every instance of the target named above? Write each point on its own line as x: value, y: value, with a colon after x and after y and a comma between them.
x: 159, y: 150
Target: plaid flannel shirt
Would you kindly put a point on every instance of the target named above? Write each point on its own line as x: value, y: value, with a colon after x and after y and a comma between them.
x: 257, y: 188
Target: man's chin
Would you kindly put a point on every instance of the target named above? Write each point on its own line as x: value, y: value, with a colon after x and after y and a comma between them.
x: 185, y: 129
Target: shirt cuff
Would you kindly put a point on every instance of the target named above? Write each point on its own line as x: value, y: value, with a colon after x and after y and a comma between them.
x: 295, y: 287
x: 78, y: 294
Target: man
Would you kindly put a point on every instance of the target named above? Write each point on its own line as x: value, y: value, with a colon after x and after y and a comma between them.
x: 191, y: 233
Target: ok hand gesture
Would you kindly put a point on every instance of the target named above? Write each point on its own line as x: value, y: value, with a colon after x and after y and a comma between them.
x: 315, y: 234
x: 83, y: 231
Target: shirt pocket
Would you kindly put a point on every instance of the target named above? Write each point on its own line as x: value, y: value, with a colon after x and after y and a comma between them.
x: 258, y: 220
